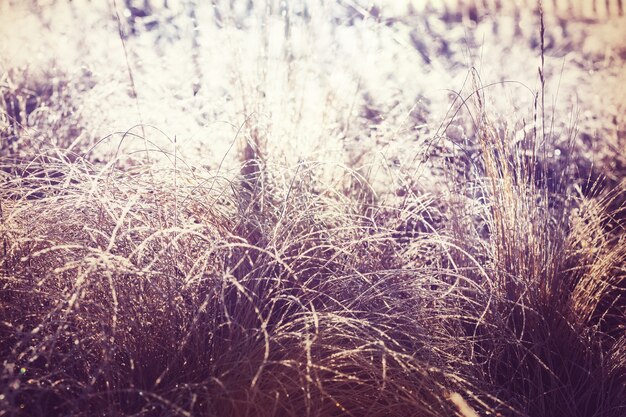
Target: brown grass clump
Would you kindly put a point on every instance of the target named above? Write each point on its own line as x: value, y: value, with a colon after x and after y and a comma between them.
x: 125, y: 296
x: 153, y: 291
x: 551, y: 279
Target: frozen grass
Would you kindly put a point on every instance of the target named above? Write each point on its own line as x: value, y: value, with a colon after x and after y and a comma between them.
x: 129, y: 292
x: 304, y: 263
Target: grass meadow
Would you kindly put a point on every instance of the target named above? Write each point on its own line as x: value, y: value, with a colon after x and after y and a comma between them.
x: 312, y: 208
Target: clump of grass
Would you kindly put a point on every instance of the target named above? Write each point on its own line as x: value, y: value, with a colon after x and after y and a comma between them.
x: 127, y: 296
x: 541, y: 334
x: 154, y: 291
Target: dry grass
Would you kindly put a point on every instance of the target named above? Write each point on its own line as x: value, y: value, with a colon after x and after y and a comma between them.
x: 486, y: 278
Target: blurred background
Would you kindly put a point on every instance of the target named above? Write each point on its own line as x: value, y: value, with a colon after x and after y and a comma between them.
x: 360, y: 83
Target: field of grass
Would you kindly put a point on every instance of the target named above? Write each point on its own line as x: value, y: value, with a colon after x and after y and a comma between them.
x: 310, y: 208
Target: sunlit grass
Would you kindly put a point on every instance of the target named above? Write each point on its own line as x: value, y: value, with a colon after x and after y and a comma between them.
x: 286, y: 213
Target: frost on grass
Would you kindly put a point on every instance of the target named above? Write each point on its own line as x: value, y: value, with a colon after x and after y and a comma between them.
x: 310, y: 208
